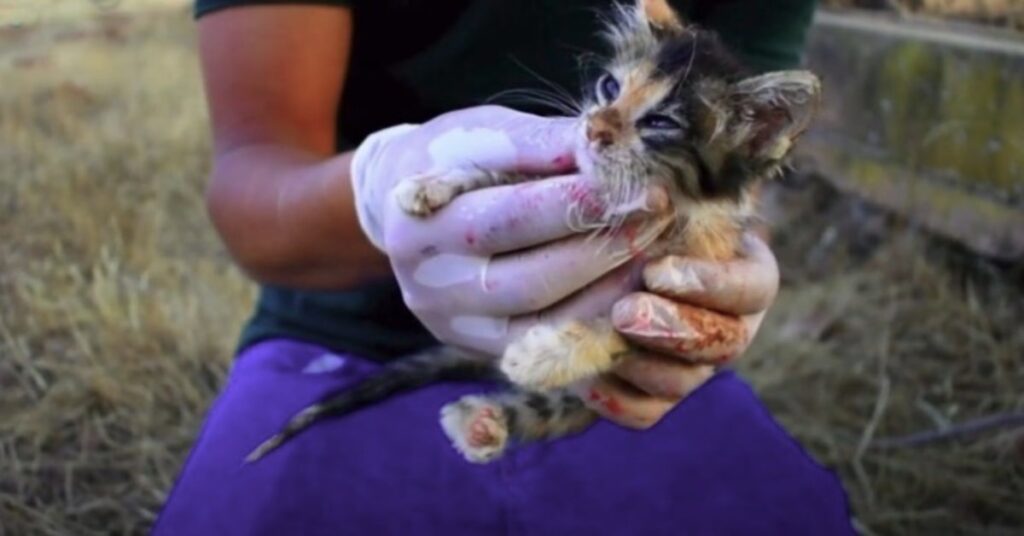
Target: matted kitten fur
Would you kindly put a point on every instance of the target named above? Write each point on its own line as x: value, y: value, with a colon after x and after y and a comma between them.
x: 672, y: 106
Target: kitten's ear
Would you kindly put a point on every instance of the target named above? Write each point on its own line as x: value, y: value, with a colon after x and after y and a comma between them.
x: 771, y: 110
x: 659, y: 15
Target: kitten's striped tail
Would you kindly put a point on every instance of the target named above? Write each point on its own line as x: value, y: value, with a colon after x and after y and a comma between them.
x: 443, y: 363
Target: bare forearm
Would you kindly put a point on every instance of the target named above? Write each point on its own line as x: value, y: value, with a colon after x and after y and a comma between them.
x: 288, y: 217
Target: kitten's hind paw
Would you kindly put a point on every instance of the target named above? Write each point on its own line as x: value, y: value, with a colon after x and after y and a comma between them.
x: 476, y: 427
x: 425, y: 194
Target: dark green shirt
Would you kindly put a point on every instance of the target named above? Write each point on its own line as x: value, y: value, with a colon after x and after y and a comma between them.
x: 414, y: 59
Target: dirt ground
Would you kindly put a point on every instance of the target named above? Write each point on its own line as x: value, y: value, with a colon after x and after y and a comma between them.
x: 118, y: 310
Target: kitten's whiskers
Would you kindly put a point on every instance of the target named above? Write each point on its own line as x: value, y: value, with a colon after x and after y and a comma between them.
x: 560, y: 103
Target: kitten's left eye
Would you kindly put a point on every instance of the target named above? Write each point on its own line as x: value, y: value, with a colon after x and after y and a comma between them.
x: 659, y: 122
x: 608, y: 87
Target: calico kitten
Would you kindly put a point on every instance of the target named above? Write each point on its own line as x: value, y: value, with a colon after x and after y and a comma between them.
x: 674, y: 106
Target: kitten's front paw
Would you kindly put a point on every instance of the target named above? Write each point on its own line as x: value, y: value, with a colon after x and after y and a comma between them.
x: 546, y: 358
x: 476, y: 427
x: 423, y: 195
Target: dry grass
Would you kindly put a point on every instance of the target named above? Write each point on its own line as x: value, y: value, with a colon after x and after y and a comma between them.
x: 119, y: 310
x: 118, y: 305
x: 882, y: 332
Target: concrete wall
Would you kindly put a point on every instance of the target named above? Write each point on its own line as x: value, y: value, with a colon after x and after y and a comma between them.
x: 926, y: 119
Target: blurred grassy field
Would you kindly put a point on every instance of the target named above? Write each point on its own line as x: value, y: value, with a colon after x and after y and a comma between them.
x: 118, y: 309
x: 118, y: 306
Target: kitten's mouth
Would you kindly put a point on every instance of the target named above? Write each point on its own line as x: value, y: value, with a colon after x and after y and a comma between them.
x: 601, y: 162
x: 620, y: 190
x: 591, y: 158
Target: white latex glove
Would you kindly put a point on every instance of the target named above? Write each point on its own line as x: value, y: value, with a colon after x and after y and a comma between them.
x: 482, y: 270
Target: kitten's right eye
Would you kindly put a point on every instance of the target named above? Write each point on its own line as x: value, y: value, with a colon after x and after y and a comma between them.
x: 607, y: 87
x: 659, y: 122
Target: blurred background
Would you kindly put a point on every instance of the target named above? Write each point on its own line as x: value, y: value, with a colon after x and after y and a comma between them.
x: 895, y: 351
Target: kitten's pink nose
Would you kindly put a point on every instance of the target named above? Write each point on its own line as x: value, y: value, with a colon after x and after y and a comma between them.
x: 603, y: 127
x: 602, y: 136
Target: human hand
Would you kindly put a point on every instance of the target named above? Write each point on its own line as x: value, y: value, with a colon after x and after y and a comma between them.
x: 496, y: 261
x: 695, y: 315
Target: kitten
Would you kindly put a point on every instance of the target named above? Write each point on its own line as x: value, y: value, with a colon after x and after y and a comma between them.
x: 674, y: 106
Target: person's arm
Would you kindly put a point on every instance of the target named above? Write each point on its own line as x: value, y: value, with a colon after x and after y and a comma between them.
x: 278, y: 195
x: 477, y: 274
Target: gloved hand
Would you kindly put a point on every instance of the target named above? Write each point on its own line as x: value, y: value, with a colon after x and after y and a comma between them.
x: 495, y: 261
x: 695, y: 314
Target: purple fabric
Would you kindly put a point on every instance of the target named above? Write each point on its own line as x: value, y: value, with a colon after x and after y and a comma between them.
x: 718, y: 464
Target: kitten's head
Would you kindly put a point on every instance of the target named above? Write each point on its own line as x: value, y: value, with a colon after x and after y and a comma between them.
x: 673, y: 104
